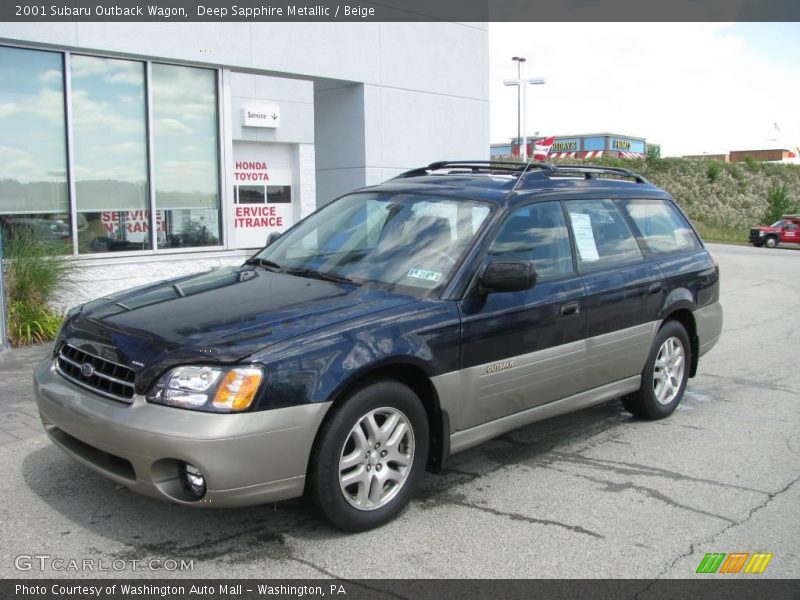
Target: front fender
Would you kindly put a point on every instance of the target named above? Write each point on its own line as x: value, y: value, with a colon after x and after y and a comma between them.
x: 315, y: 368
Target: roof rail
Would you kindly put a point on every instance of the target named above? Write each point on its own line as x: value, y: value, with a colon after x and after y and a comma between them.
x: 477, y: 166
x: 589, y: 171
x: 541, y: 169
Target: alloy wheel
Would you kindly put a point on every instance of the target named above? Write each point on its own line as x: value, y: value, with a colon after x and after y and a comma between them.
x: 376, y: 458
x: 668, y: 370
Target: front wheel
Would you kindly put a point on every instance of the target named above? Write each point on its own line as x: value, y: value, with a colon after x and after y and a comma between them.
x: 369, y: 457
x: 665, y: 374
x: 771, y: 242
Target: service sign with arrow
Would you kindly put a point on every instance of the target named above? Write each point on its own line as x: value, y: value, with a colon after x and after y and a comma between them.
x: 262, y: 115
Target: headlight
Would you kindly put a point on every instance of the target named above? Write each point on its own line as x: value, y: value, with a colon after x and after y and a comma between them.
x: 207, y: 388
x: 760, y: 233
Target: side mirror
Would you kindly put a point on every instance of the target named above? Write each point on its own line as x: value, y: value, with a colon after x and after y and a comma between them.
x: 273, y: 235
x: 508, y: 276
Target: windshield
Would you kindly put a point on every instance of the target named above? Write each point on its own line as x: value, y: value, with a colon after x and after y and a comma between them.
x: 399, y: 239
x: 777, y: 224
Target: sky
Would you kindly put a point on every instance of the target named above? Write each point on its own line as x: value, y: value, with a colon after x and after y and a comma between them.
x: 692, y: 87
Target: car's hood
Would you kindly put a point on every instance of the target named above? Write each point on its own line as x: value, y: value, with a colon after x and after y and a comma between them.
x: 218, y: 316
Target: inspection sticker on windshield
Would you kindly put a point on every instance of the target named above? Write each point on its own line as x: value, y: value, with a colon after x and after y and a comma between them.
x: 425, y: 274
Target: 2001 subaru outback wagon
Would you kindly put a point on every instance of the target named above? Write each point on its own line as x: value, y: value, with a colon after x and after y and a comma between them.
x: 391, y: 328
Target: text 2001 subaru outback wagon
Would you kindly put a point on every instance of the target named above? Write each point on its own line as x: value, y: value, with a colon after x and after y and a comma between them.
x: 393, y: 327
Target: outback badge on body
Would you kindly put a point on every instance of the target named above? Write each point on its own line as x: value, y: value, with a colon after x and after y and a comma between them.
x: 501, y: 366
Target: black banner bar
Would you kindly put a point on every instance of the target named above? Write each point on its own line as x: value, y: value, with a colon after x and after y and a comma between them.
x: 712, y: 587
x: 277, y: 11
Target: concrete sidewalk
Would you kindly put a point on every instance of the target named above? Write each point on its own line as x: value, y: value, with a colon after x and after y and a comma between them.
x: 19, y: 419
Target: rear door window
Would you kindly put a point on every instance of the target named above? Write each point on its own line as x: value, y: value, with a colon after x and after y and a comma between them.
x: 662, y: 226
x: 602, y: 236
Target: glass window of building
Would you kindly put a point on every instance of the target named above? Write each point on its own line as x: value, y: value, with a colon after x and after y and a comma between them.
x: 279, y: 194
x: 33, y: 158
x: 251, y: 194
x: 185, y: 155
x: 110, y: 154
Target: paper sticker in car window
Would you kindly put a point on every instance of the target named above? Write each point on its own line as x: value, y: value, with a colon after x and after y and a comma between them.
x: 584, y: 236
x: 425, y: 274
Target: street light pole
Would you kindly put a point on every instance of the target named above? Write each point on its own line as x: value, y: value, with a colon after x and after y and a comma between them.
x: 522, y: 136
x: 531, y: 81
x: 519, y: 60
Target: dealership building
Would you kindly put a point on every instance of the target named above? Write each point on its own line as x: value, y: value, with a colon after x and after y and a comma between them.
x: 154, y: 150
x: 583, y: 145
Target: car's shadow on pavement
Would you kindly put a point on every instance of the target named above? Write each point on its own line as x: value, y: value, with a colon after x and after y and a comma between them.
x: 143, y: 528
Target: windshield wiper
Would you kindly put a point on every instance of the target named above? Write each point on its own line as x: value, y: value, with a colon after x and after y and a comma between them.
x: 314, y: 274
x: 264, y: 262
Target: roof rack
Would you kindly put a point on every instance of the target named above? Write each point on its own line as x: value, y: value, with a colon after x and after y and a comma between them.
x: 589, y: 171
x: 540, y: 169
x: 477, y: 166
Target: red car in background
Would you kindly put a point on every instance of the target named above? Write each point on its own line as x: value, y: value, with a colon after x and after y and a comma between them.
x: 785, y: 231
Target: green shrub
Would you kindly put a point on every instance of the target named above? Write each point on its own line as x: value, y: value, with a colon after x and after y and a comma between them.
x: 713, y: 171
x: 752, y: 164
x: 653, y: 159
x: 34, y: 271
x: 778, y: 203
x: 31, y: 323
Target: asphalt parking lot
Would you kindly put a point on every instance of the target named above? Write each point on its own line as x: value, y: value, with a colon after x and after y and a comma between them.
x: 592, y: 494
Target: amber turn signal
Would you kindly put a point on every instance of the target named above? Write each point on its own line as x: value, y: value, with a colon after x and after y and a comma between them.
x: 238, y: 388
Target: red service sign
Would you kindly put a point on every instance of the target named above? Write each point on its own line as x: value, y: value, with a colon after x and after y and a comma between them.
x: 135, y: 221
x: 248, y: 217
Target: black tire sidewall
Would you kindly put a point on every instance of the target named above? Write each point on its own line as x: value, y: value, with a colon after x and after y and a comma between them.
x: 652, y: 407
x: 771, y: 242
x: 324, y: 467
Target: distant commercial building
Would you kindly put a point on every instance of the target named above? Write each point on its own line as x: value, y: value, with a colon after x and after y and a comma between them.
x: 773, y: 155
x: 587, y: 145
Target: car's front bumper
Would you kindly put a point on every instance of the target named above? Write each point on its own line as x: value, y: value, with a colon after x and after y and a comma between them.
x: 246, y: 458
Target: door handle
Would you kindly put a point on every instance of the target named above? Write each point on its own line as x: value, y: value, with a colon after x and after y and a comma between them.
x: 655, y: 287
x: 570, y: 308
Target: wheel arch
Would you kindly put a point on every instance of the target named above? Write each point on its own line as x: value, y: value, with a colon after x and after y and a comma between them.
x: 414, y: 374
x: 683, y: 315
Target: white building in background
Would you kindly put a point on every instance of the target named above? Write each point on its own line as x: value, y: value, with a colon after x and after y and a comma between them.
x: 158, y: 149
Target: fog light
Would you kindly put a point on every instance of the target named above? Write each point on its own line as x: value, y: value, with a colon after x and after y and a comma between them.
x: 194, y: 480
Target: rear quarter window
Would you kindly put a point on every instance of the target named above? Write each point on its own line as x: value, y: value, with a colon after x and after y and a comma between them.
x: 662, y: 227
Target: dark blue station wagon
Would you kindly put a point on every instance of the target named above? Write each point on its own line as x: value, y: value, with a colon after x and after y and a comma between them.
x: 393, y: 327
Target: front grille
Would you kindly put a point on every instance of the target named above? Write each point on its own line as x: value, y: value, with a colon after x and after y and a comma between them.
x: 754, y: 233
x: 104, y: 377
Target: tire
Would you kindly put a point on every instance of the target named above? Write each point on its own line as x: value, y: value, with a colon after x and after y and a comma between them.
x: 660, y: 395
x: 352, y: 446
x: 771, y: 242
